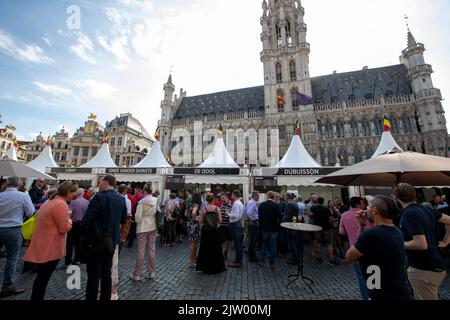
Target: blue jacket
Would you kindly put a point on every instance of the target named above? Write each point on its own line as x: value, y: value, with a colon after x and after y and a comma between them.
x: 106, y: 212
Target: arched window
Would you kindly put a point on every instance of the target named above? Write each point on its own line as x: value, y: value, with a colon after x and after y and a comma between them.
x: 280, y: 100
x: 279, y: 72
x: 378, y: 124
x: 288, y: 33
x: 406, y: 122
x: 332, y: 158
x: 358, y: 155
x: 366, y: 128
x: 322, y: 157
x: 319, y: 129
x: 369, y: 151
x: 411, y: 148
x: 328, y: 129
x: 3, y: 144
x: 354, y: 127
x: 293, y: 71
x: 278, y: 35
x: 394, y: 125
x: 340, y: 129
x: 343, y: 157
x: 294, y: 98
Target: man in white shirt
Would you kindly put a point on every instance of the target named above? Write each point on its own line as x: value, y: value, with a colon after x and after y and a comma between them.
x: 13, y: 206
x: 236, y: 214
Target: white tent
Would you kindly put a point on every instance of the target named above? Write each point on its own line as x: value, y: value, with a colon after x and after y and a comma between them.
x: 387, y: 143
x: 219, y: 157
x: 154, y: 158
x: 11, y: 154
x: 297, y: 156
x: 44, y: 160
x: 101, y: 160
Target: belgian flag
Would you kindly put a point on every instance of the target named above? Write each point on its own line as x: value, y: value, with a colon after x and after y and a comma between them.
x: 221, y: 131
x: 387, y: 124
x: 15, y: 144
x: 298, y: 128
x: 106, y: 138
x: 157, y: 134
x: 49, y: 141
x: 280, y: 100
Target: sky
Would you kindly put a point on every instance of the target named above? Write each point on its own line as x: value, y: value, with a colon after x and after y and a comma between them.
x: 53, y: 74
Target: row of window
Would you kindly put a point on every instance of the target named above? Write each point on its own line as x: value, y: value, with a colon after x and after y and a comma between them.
x: 292, y: 72
x: 357, y: 129
x: 112, y: 142
x: 84, y: 151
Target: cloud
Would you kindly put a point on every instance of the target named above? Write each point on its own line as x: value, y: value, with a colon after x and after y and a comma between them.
x: 25, y: 52
x: 97, y: 89
x: 117, y: 47
x: 47, y: 41
x: 140, y: 4
x: 84, y: 48
x: 53, y: 89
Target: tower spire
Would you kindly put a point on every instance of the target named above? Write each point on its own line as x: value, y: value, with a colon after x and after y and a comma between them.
x: 411, y: 40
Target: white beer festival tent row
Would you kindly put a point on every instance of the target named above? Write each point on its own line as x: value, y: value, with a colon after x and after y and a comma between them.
x: 296, y: 169
x: 151, y: 169
x: 218, y: 168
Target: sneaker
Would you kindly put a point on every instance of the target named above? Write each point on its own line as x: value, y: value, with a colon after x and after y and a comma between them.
x: 11, y: 292
x: 114, y: 297
x: 152, y: 276
x: 135, y: 278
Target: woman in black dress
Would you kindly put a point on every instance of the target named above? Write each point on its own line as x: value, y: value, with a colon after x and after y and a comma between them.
x: 210, y: 258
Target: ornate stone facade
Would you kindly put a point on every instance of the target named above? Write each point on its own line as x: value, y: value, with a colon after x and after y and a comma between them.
x: 128, y: 139
x: 342, y: 120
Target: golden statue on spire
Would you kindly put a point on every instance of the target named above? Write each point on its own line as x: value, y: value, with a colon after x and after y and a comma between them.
x: 92, y: 117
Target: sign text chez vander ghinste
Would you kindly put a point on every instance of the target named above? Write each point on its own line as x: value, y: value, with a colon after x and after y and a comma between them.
x: 130, y: 170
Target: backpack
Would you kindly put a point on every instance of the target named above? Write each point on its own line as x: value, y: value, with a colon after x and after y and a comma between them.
x: 211, y: 221
x: 175, y: 212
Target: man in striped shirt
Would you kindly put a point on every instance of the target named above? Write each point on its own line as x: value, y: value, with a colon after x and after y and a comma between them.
x: 225, y: 209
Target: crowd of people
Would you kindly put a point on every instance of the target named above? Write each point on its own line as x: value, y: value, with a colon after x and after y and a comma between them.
x: 403, y: 236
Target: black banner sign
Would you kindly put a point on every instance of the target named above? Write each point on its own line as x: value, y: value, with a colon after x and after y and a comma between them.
x: 207, y: 171
x: 130, y: 171
x: 306, y: 172
x: 70, y: 170
x: 175, y: 182
x: 266, y: 184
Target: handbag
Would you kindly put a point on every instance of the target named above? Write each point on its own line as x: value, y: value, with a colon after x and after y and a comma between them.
x: 29, y: 227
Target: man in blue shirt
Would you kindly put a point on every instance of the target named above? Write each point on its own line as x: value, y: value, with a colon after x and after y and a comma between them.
x: 251, y: 219
x: 13, y: 206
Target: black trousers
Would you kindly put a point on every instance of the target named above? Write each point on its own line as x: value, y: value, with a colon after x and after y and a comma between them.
x: 253, y: 231
x: 73, y: 242
x: 132, y: 235
x: 43, y: 277
x: 171, y: 235
x: 99, y: 271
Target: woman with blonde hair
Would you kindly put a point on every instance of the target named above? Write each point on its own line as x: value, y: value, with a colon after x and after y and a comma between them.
x: 146, y: 230
x: 48, y: 244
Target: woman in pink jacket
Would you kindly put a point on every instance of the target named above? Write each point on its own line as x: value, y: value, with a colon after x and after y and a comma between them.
x: 48, y: 244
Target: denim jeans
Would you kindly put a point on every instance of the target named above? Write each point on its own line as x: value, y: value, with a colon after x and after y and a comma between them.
x: 236, y: 234
x: 269, y: 240
x: 361, y: 281
x: 293, y: 244
x: 11, y: 238
x: 253, y: 230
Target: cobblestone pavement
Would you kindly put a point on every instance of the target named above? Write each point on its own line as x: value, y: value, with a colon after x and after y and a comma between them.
x: 176, y: 281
